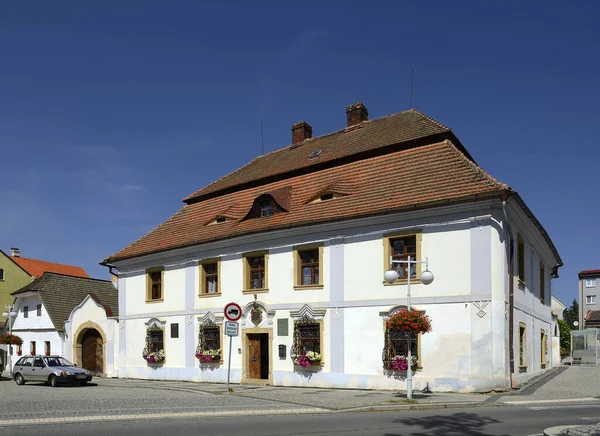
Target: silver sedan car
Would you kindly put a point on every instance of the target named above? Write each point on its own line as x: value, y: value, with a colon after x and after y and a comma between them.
x: 49, y: 369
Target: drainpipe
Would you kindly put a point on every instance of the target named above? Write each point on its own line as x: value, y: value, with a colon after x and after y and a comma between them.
x: 511, y: 299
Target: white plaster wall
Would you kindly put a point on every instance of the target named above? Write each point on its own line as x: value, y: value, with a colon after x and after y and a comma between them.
x: 32, y: 321
x: 448, y: 250
x: 89, y: 311
x: 473, y: 348
x: 175, y: 347
x: 499, y: 303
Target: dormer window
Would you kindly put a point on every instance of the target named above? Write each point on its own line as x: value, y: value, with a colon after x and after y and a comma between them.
x: 266, y: 207
x: 325, y: 196
x: 218, y: 220
x: 270, y: 203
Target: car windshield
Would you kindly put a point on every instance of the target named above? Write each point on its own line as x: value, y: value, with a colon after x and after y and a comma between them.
x: 57, y: 361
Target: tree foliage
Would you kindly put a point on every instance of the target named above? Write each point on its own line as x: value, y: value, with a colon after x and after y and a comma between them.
x: 565, y: 338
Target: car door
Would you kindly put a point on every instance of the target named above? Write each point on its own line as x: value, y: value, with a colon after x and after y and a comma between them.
x: 25, y: 365
x: 37, y: 370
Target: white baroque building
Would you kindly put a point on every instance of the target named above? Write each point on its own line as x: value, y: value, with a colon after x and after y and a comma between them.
x: 300, y: 239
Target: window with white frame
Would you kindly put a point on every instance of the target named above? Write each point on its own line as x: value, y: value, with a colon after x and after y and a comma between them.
x: 590, y: 283
x: 590, y: 299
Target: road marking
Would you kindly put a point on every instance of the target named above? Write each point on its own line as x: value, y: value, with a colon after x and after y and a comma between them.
x: 571, y: 400
x: 144, y: 416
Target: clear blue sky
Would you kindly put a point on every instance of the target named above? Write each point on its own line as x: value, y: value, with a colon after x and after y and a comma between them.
x: 111, y: 112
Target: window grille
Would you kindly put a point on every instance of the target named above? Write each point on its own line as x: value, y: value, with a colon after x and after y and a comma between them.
x: 396, y: 344
x: 209, y: 338
x: 307, y: 336
x: 154, y: 342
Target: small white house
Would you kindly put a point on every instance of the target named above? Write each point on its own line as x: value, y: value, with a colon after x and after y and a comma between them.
x: 301, y: 237
x: 69, y: 316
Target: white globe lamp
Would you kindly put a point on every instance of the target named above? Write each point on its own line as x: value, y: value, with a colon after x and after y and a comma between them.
x: 390, y: 276
x: 426, y: 277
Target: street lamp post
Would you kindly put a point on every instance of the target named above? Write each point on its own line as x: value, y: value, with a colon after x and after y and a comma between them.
x: 426, y: 278
x: 9, y: 315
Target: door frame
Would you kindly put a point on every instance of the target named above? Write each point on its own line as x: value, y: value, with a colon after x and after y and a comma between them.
x: 246, y: 356
x: 78, y: 346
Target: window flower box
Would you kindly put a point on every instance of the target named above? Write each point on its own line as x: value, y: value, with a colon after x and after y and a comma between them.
x: 208, y: 356
x: 311, y: 358
x: 157, y: 357
x: 400, y: 364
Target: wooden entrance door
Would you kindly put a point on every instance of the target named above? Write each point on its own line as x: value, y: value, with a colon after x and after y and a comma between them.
x: 91, y: 352
x: 258, y: 356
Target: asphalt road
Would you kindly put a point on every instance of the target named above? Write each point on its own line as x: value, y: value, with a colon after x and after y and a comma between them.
x: 481, y: 421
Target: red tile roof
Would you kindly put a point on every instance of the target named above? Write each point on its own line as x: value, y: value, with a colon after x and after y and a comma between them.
x: 589, y: 272
x: 436, y: 174
x: 37, y: 268
x: 368, y: 136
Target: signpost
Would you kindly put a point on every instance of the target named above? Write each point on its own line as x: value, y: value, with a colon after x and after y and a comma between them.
x: 233, y: 312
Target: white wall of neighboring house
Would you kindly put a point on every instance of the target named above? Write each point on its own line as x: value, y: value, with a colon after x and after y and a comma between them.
x: 89, y: 314
x: 467, y: 302
x: 34, y: 328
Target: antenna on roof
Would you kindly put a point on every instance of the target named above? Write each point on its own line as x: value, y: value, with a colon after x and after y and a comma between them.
x: 412, y: 82
x: 262, y: 137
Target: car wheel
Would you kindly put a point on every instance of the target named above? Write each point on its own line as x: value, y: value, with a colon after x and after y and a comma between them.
x: 83, y: 383
x: 53, y: 381
x: 19, y: 379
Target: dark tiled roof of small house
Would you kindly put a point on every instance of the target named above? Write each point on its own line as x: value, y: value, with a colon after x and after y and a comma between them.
x: 60, y: 294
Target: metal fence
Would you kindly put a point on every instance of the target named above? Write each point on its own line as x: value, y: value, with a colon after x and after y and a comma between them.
x: 585, y: 347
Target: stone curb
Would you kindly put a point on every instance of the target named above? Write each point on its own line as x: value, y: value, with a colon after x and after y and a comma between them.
x: 556, y: 431
x: 429, y: 406
x: 582, y: 429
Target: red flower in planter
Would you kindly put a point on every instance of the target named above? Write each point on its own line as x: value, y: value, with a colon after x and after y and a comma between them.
x: 409, y: 321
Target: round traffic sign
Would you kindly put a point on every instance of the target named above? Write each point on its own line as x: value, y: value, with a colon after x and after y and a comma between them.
x: 232, y: 311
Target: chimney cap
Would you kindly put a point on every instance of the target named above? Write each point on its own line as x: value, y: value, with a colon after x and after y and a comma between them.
x: 15, y: 252
x: 357, y: 105
x: 301, y: 124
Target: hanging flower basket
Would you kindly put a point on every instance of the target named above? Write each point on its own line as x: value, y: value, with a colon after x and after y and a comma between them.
x: 409, y: 321
x: 9, y: 339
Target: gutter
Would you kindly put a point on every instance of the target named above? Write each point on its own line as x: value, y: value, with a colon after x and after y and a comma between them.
x: 511, y: 299
x: 110, y: 268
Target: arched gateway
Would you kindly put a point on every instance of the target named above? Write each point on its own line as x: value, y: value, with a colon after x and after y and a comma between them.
x: 89, y: 348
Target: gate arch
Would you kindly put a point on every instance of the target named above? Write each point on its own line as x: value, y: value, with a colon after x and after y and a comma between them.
x: 90, y: 339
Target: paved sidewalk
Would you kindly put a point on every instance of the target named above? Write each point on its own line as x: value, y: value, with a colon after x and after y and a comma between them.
x: 330, y: 399
x: 571, y: 384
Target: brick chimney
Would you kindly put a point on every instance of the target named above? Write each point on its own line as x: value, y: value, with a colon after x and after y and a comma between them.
x: 301, y: 131
x: 15, y: 252
x: 356, y: 113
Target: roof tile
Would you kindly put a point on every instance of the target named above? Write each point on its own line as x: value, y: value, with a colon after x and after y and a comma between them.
x: 37, y: 268
x: 406, y: 179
